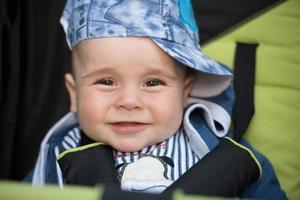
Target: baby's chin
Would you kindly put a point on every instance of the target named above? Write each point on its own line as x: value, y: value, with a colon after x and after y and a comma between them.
x: 130, y: 146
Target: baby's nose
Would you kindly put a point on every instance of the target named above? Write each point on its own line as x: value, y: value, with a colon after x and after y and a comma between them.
x: 129, y: 99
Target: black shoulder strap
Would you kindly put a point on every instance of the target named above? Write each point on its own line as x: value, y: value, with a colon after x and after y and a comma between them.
x: 226, y: 171
x: 89, y: 166
x: 244, y: 81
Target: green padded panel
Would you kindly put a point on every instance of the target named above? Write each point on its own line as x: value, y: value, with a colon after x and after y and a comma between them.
x: 275, y: 127
x: 17, y: 191
x: 178, y: 195
x: 14, y: 191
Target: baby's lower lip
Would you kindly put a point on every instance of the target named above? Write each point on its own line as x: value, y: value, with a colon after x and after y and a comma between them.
x: 127, y: 127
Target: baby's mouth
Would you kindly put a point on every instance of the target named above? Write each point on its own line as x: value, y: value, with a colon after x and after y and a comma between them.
x: 127, y: 127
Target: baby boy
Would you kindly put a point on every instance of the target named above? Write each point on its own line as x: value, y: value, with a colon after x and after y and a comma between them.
x: 138, y: 73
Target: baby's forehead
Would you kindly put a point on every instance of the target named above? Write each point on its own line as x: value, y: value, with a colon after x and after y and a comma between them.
x: 123, y: 51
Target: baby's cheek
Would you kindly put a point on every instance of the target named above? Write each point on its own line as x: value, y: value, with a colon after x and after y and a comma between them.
x: 171, y: 116
x: 91, y: 109
x: 91, y: 118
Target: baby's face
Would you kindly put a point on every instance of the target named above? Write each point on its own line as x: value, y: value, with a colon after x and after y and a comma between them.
x: 127, y: 92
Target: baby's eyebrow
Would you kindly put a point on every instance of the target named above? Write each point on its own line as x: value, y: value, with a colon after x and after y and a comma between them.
x: 98, y: 71
x: 159, y: 72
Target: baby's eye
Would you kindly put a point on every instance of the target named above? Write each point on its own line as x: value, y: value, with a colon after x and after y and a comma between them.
x: 154, y: 82
x: 107, y: 82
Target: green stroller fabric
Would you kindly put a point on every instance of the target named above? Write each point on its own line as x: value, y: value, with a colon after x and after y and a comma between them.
x: 26, y: 191
x: 274, y: 128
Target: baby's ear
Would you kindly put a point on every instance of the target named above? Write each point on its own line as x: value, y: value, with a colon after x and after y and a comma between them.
x: 70, y: 85
x: 188, y: 82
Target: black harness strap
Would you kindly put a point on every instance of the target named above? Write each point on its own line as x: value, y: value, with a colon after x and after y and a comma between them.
x: 244, y: 81
x: 89, y: 167
x: 226, y: 171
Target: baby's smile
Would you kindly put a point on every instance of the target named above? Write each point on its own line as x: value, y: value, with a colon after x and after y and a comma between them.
x: 128, y: 127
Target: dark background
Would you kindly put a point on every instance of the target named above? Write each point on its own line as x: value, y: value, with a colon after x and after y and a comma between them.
x: 34, y: 57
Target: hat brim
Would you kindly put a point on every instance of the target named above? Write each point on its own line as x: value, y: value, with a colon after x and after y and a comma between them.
x: 212, y: 78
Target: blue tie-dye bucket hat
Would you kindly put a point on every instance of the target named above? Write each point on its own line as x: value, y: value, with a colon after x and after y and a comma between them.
x: 169, y: 23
